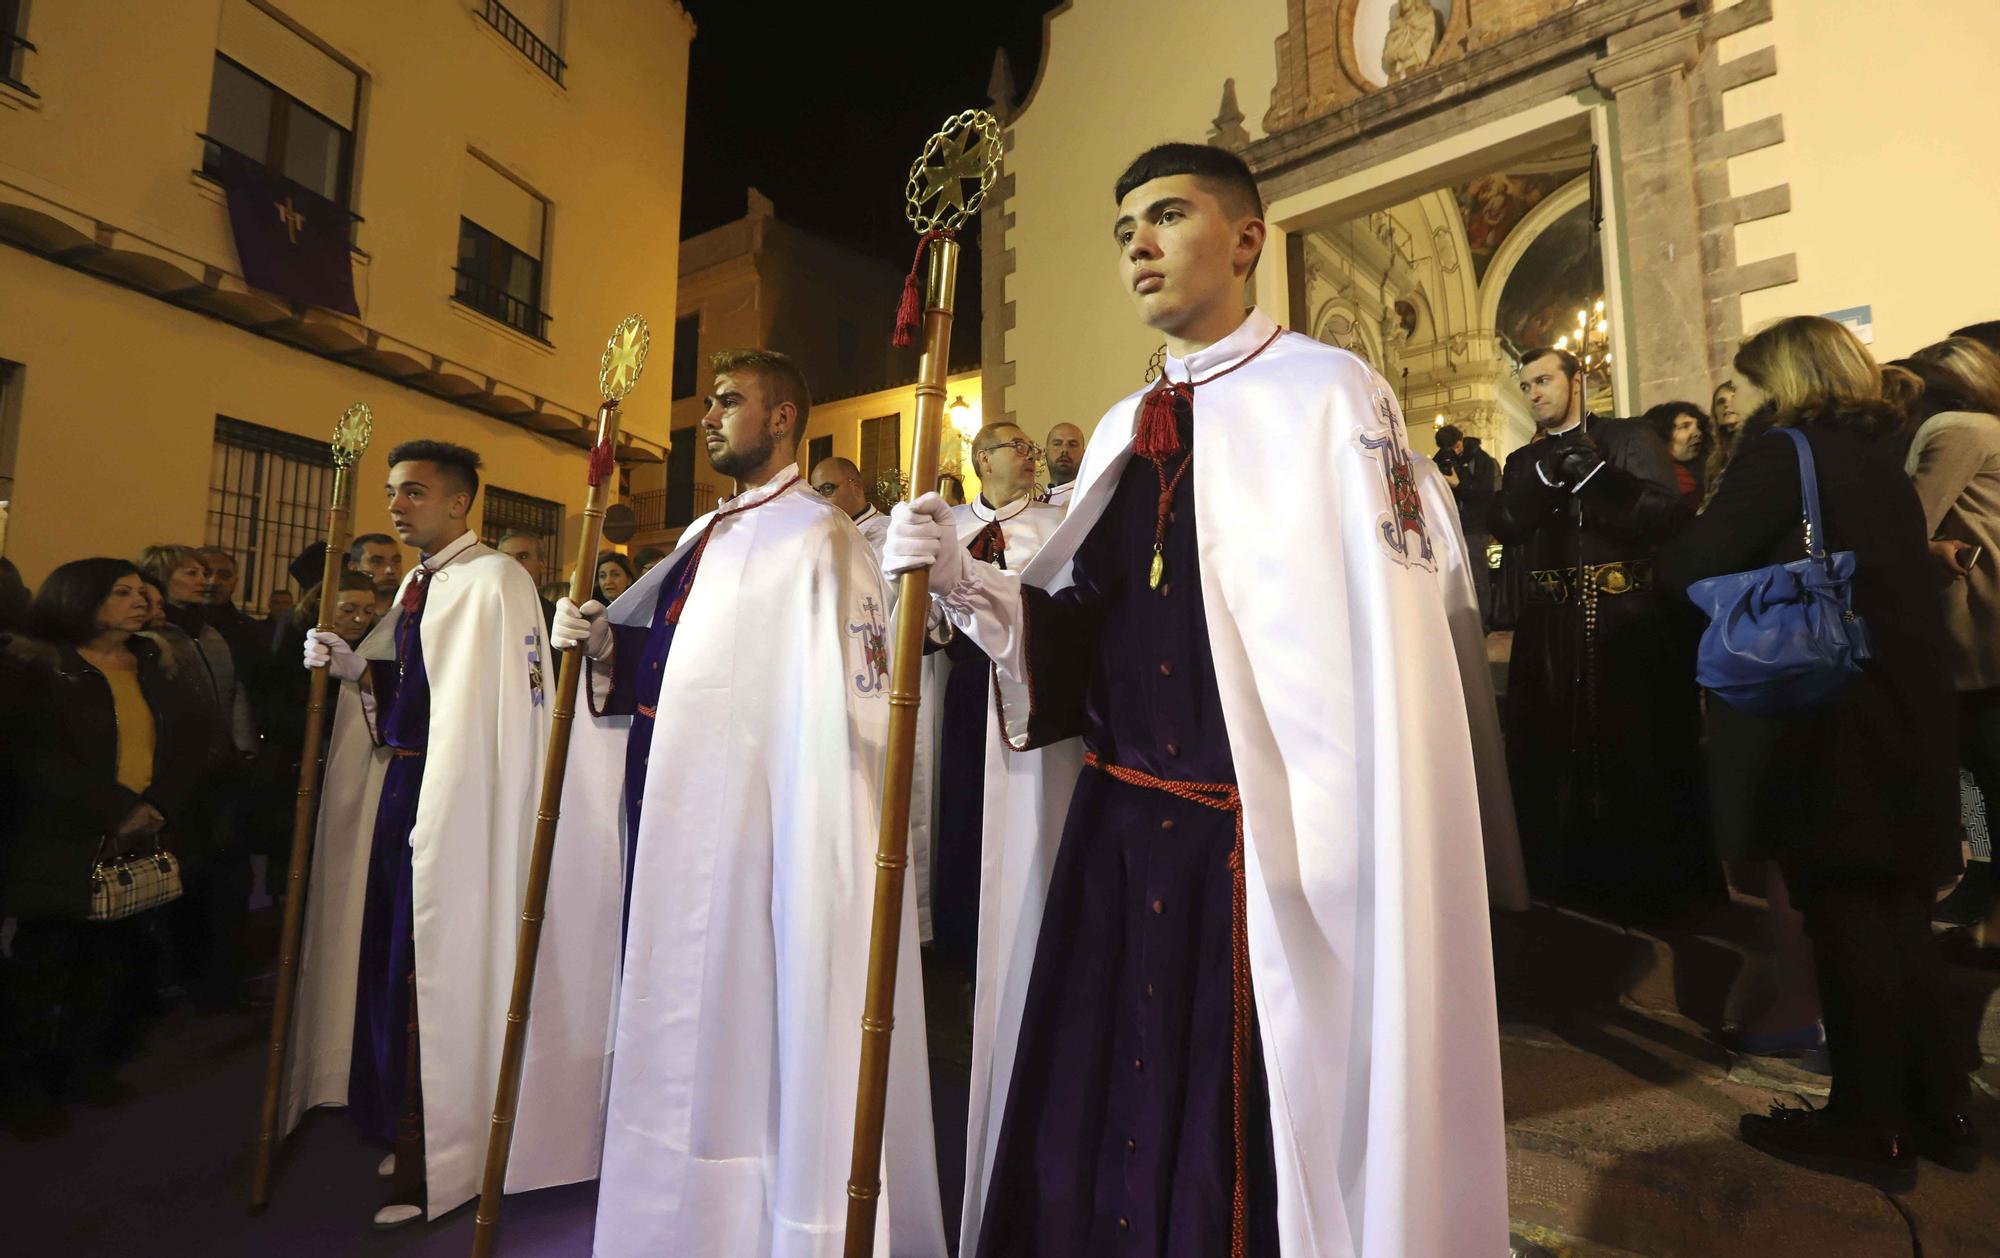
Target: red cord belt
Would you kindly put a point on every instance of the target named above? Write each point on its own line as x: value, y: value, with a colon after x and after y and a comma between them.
x: 1223, y: 797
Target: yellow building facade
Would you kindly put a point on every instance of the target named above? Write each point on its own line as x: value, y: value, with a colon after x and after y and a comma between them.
x: 1449, y: 184
x: 513, y: 179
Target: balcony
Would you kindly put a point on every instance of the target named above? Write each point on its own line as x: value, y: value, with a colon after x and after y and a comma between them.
x: 655, y: 512
x: 497, y: 303
x: 517, y: 33
x: 11, y: 48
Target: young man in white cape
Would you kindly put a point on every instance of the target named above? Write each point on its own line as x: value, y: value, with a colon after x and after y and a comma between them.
x: 1245, y: 1004
x: 426, y: 820
x: 750, y: 673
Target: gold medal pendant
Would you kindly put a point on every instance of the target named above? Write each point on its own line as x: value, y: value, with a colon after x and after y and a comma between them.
x: 1159, y: 569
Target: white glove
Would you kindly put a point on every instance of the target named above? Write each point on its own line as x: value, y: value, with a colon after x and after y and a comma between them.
x: 331, y: 652
x: 923, y: 535
x: 585, y: 626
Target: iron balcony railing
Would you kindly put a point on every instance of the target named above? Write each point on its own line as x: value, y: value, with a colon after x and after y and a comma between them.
x: 519, y: 34
x: 11, y: 48
x: 211, y: 168
x: 655, y: 510
x: 497, y: 303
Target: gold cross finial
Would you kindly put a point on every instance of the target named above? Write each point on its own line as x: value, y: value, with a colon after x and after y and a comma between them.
x: 967, y: 148
x: 624, y: 358
x: 352, y: 433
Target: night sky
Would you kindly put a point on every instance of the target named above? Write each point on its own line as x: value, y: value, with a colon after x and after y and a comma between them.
x: 823, y: 107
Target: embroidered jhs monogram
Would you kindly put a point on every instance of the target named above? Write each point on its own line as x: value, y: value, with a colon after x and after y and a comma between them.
x: 874, y: 674
x: 1401, y: 528
x: 534, y: 644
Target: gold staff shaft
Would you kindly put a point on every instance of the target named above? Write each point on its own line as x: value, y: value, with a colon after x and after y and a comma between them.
x: 305, y: 814
x: 528, y: 944
x: 892, y: 844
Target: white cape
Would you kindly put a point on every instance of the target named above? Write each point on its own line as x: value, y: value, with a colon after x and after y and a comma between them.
x: 739, y: 1030
x: 1339, y: 674
x: 1027, y: 526
x: 485, y: 658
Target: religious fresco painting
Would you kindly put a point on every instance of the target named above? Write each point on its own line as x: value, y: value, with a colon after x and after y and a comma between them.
x: 1559, y: 274
x: 1494, y: 205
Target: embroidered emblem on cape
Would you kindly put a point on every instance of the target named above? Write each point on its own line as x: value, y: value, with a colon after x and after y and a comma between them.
x: 1401, y: 528
x: 534, y: 645
x: 874, y: 675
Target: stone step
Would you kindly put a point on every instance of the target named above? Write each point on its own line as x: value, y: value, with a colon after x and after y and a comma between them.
x: 1621, y: 1140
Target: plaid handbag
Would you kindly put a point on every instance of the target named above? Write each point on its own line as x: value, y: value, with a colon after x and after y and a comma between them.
x: 132, y: 884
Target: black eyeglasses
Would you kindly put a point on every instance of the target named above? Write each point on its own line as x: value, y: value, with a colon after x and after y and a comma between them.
x: 1020, y: 445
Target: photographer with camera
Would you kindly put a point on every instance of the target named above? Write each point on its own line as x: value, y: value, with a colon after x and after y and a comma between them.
x: 1475, y: 481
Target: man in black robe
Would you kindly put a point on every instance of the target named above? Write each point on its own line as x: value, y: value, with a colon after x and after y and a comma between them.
x: 1601, y: 703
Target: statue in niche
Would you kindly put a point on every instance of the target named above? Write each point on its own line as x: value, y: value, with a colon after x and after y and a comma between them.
x: 1413, y: 36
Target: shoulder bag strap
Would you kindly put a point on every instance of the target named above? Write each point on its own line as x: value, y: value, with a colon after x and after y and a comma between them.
x: 1809, y: 491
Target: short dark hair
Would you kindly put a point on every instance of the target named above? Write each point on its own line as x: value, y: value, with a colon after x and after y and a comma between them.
x: 1223, y: 174
x: 65, y: 608
x: 1449, y: 436
x: 459, y: 464
x: 782, y: 380
x: 1987, y: 333
x: 1569, y: 362
x: 511, y: 534
x: 647, y: 555
x: 357, y: 550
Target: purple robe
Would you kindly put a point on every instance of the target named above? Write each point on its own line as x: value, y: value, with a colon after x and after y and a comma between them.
x: 962, y: 786
x: 638, y: 661
x: 382, y: 1000
x: 1117, y: 1136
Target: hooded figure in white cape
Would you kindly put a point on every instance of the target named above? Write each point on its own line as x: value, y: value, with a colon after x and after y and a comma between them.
x: 463, y: 639
x: 1297, y: 665
x: 744, y: 685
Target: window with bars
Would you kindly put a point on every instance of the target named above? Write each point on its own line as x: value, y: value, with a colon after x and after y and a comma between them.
x: 14, y: 45
x: 881, y: 453
x: 499, y: 280
x: 268, y: 494
x: 509, y: 512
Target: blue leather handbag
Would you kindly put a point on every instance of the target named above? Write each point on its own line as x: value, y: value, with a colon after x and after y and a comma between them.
x: 1783, y: 639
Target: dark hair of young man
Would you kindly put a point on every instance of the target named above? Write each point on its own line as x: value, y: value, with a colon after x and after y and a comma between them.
x: 1220, y: 172
x: 1570, y: 365
x: 357, y: 550
x: 65, y: 608
x: 459, y: 465
x: 1449, y: 436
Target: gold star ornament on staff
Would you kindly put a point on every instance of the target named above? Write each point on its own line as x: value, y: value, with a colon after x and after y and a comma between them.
x: 617, y: 371
x: 350, y: 439
x: 948, y: 182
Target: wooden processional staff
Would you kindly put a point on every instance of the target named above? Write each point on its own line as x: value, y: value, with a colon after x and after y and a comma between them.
x: 966, y: 150
x: 350, y: 439
x: 624, y: 358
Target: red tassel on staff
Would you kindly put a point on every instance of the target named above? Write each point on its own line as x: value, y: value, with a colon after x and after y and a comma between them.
x: 1159, y: 435
x: 910, y: 311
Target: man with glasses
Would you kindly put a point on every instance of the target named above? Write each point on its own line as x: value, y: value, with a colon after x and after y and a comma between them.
x: 1004, y: 526
x: 838, y: 480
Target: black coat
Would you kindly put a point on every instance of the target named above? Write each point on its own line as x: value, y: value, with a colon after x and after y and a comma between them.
x: 1869, y: 783
x: 70, y: 792
x: 1478, y: 485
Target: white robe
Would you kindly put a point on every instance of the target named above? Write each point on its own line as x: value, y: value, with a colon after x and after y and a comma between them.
x: 875, y: 527
x: 739, y: 1030
x: 486, y: 663
x: 1026, y: 524
x: 1339, y: 676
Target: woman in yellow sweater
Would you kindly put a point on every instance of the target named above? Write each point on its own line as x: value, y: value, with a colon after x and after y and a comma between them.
x: 114, y: 740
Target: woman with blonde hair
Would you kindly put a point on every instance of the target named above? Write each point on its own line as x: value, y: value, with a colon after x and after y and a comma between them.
x: 1857, y: 799
x: 1954, y: 461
